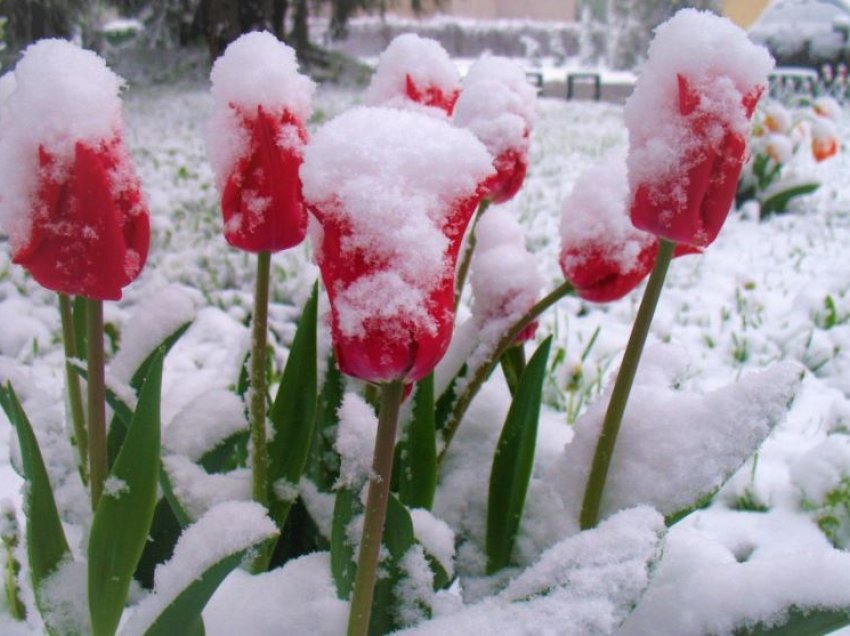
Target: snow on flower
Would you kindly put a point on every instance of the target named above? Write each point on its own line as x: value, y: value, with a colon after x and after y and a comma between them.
x: 499, y: 106
x: 393, y: 191
x: 824, y: 139
x: 255, y: 140
x: 415, y: 72
x: 70, y: 201
x: 688, y: 122
x: 505, y: 279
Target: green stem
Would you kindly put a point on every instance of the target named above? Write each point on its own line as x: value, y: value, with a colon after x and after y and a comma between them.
x: 259, y: 339
x: 72, y: 379
x: 392, y: 394
x: 622, y: 387
x: 471, y: 240
x: 98, y: 466
x: 483, y: 372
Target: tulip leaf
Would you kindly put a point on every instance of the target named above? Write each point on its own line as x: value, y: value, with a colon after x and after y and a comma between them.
x: 799, y: 622
x: 343, y: 566
x: 778, y: 201
x: 398, y: 539
x: 294, y: 411
x: 47, y: 547
x: 512, y: 463
x: 417, y: 468
x: 323, y: 466
x: 125, y: 511
x: 183, y: 614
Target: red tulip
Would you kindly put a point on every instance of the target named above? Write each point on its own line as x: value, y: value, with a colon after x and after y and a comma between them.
x: 511, y: 167
x: 430, y: 95
x: 261, y: 202
x: 90, y: 230
x: 692, y: 208
x: 598, y: 276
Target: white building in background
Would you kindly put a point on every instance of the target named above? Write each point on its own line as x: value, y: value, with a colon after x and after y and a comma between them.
x: 560, y: 10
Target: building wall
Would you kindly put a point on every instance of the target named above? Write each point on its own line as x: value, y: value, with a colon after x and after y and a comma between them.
x: 744, y: 12
x: 562, y: 10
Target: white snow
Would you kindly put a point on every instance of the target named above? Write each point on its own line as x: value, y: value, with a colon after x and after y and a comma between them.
x: 355, y: 440
x: 205, y: 422
x: 63, y: 95
x: 199, y: 491
x: 420, y: 61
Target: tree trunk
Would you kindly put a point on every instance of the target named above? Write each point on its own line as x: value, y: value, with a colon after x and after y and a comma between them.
x: 300, y: 35
x: 279, y: 11
x: 222, y: 25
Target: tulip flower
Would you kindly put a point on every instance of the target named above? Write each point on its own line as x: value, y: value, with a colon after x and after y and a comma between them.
x: 255, y: 142
x: 90, y: 230
x: 692, y: 207
x: 824, y: 139
x: 72, y: 207
x: 393, y: 191
x: 415, y: 73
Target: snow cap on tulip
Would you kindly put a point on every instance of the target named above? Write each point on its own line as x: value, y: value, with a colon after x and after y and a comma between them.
x: 824, y: 139
x: 688, y: 122
x: 602, y: 254
x: 393, y: 191
x: 499, y: 106
x: 415, y: 73
x: 505, y: 280
x: 70, y: 201
x: 255, y: 140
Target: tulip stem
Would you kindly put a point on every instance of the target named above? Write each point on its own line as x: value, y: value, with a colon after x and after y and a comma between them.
x: 257, y: 407
x: 79, y: 438
x: 98, y: 462
x: 622, y: 387
x: 392, y: 394
x: 471, y: 240
x: 481, y: 374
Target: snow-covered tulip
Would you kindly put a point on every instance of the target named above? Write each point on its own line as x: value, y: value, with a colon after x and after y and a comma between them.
x: 824, y: 139
x: 415, y: 73
x: 688, y: 122
x: 393, y: 191
x: 499, y: 106
x: 255, y: 140
x: 69, y: 198
x: 505, y: 280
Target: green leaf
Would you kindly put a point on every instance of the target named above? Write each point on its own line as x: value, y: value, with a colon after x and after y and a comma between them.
x: 398, y: 539
x: 816, y: 622
x: 323, y: 465
x: 778, y: 202
x: 47, y: 547
x: 512, y: 463
x: 183, y: 614
x: 228, y: 455
x: 164, y: 533
x: 123, y: 519
x: 293, y: 413
x: 343, y: 565
x: 417, y: 467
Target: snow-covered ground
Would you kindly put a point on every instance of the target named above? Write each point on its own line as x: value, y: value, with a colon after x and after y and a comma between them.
x: 764, y: 292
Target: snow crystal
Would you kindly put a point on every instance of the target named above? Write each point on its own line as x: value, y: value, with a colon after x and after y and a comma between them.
x: 422, y: 60
x: 154, y: 319
x: 415, y: 589
x: 226, y: 529
x: 63, y: 95
x: 510, y: 75
x: 822, y: 468
x: 355, y: 439
x: 720, y: 64
x: 596, y: 214
x: 436, y: 537
x: 583, y: 586
x: 392, y: 179
x: 319, y: 504
x: 671, y: 462
x: 114, y: 487
x: 205, y: 422
x: 198, y: 491
x: 504, y: 276
x: 300, y: 596
x: 256, y: 70
x: 724, y: 571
